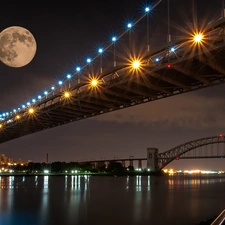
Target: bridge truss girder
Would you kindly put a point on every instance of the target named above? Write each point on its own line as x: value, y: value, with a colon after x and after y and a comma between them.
x: 167, y: 157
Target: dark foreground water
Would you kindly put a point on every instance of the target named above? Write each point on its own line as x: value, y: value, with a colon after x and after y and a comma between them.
x: 140, y: 200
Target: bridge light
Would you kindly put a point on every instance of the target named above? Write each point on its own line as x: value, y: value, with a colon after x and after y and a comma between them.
x: 39, y: 96
x: 17, y: 117
x: 60, y: 82
x: 220, y: 135
x: 94, y: 82
x: 147, y: 9
x: 172, y: 49
x: 129, y: 25
x: 100, y: 50
x: 88, y: 60
x: 1, y: 126
x: 67, y: 94
x: 68, y: 76
x: 45, y: 92
x: 136, y: 64
x: 177, y: 158
x: 198, y: 37
x: 169, y: 66
x: 53, y: 88
x: 114, y: 39
x: 78, y: 68
x: 31, y: 110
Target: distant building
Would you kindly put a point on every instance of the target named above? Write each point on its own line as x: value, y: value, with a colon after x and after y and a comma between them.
x: 5, y: 160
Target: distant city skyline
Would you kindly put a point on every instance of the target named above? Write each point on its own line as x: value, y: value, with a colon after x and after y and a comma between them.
x: 4, y: 159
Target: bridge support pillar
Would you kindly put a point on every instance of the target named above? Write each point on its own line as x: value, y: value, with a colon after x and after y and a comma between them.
x: 139, y: 164
x: 152, y: 162
x: 131, y: 162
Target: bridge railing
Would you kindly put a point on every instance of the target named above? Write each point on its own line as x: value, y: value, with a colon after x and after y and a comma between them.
x: 220, y: 220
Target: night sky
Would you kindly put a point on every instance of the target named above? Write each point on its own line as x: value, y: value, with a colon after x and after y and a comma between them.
x: 65, y: 35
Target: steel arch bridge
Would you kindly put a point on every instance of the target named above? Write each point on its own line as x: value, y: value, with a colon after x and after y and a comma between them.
x: 163, y: 73
x: 175, y: 153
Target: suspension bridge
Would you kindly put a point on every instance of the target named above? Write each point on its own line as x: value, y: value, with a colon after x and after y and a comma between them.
x: 131, y: 73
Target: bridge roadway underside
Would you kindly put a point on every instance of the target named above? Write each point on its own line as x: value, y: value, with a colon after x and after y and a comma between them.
x: 122, y: 87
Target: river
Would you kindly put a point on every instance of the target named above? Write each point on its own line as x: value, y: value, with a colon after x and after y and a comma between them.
x: 108, y: 200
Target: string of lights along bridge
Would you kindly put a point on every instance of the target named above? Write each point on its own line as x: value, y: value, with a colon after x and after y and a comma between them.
x: 127, y: 72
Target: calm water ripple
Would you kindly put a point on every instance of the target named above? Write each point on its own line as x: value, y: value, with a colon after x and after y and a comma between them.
x: 90, y: 200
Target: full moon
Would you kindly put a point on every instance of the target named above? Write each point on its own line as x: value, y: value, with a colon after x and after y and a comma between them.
x: 17, y: 46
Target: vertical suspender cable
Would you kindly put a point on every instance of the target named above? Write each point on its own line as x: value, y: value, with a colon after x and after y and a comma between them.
x: 168, y: 14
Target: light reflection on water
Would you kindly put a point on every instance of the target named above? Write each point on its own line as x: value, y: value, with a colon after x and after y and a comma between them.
x: 196, y: 180
x: 67, y: 200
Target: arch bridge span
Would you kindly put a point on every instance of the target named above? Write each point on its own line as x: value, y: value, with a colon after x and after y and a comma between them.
x: 180, y: 151
x: 189, y: 150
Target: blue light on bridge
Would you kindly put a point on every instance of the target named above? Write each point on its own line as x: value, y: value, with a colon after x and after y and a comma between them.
x: 129, y: 25
x: 33, y: 100
x: 28, y: 103
x: 100, y: 50
x: 78, y: 69
x: 88, y: 60
x: 39, y: 96
x: 147, y: 9
x: 53, y: 88
x: 172, y: 49
x: 114, y: 39
x: 23, y: 106
x: 60, y: 82
x: 68, y: 76
x: 45, y: 92
x: 14, y: 110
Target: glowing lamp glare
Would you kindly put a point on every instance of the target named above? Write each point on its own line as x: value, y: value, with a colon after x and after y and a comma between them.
x: 136, y: 64
x: 31, y: 110
x: 198, y: 38
x: 94, y: 82
x: 66, y: 94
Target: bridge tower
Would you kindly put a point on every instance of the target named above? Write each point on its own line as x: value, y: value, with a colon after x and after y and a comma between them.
x: 152, y: 162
